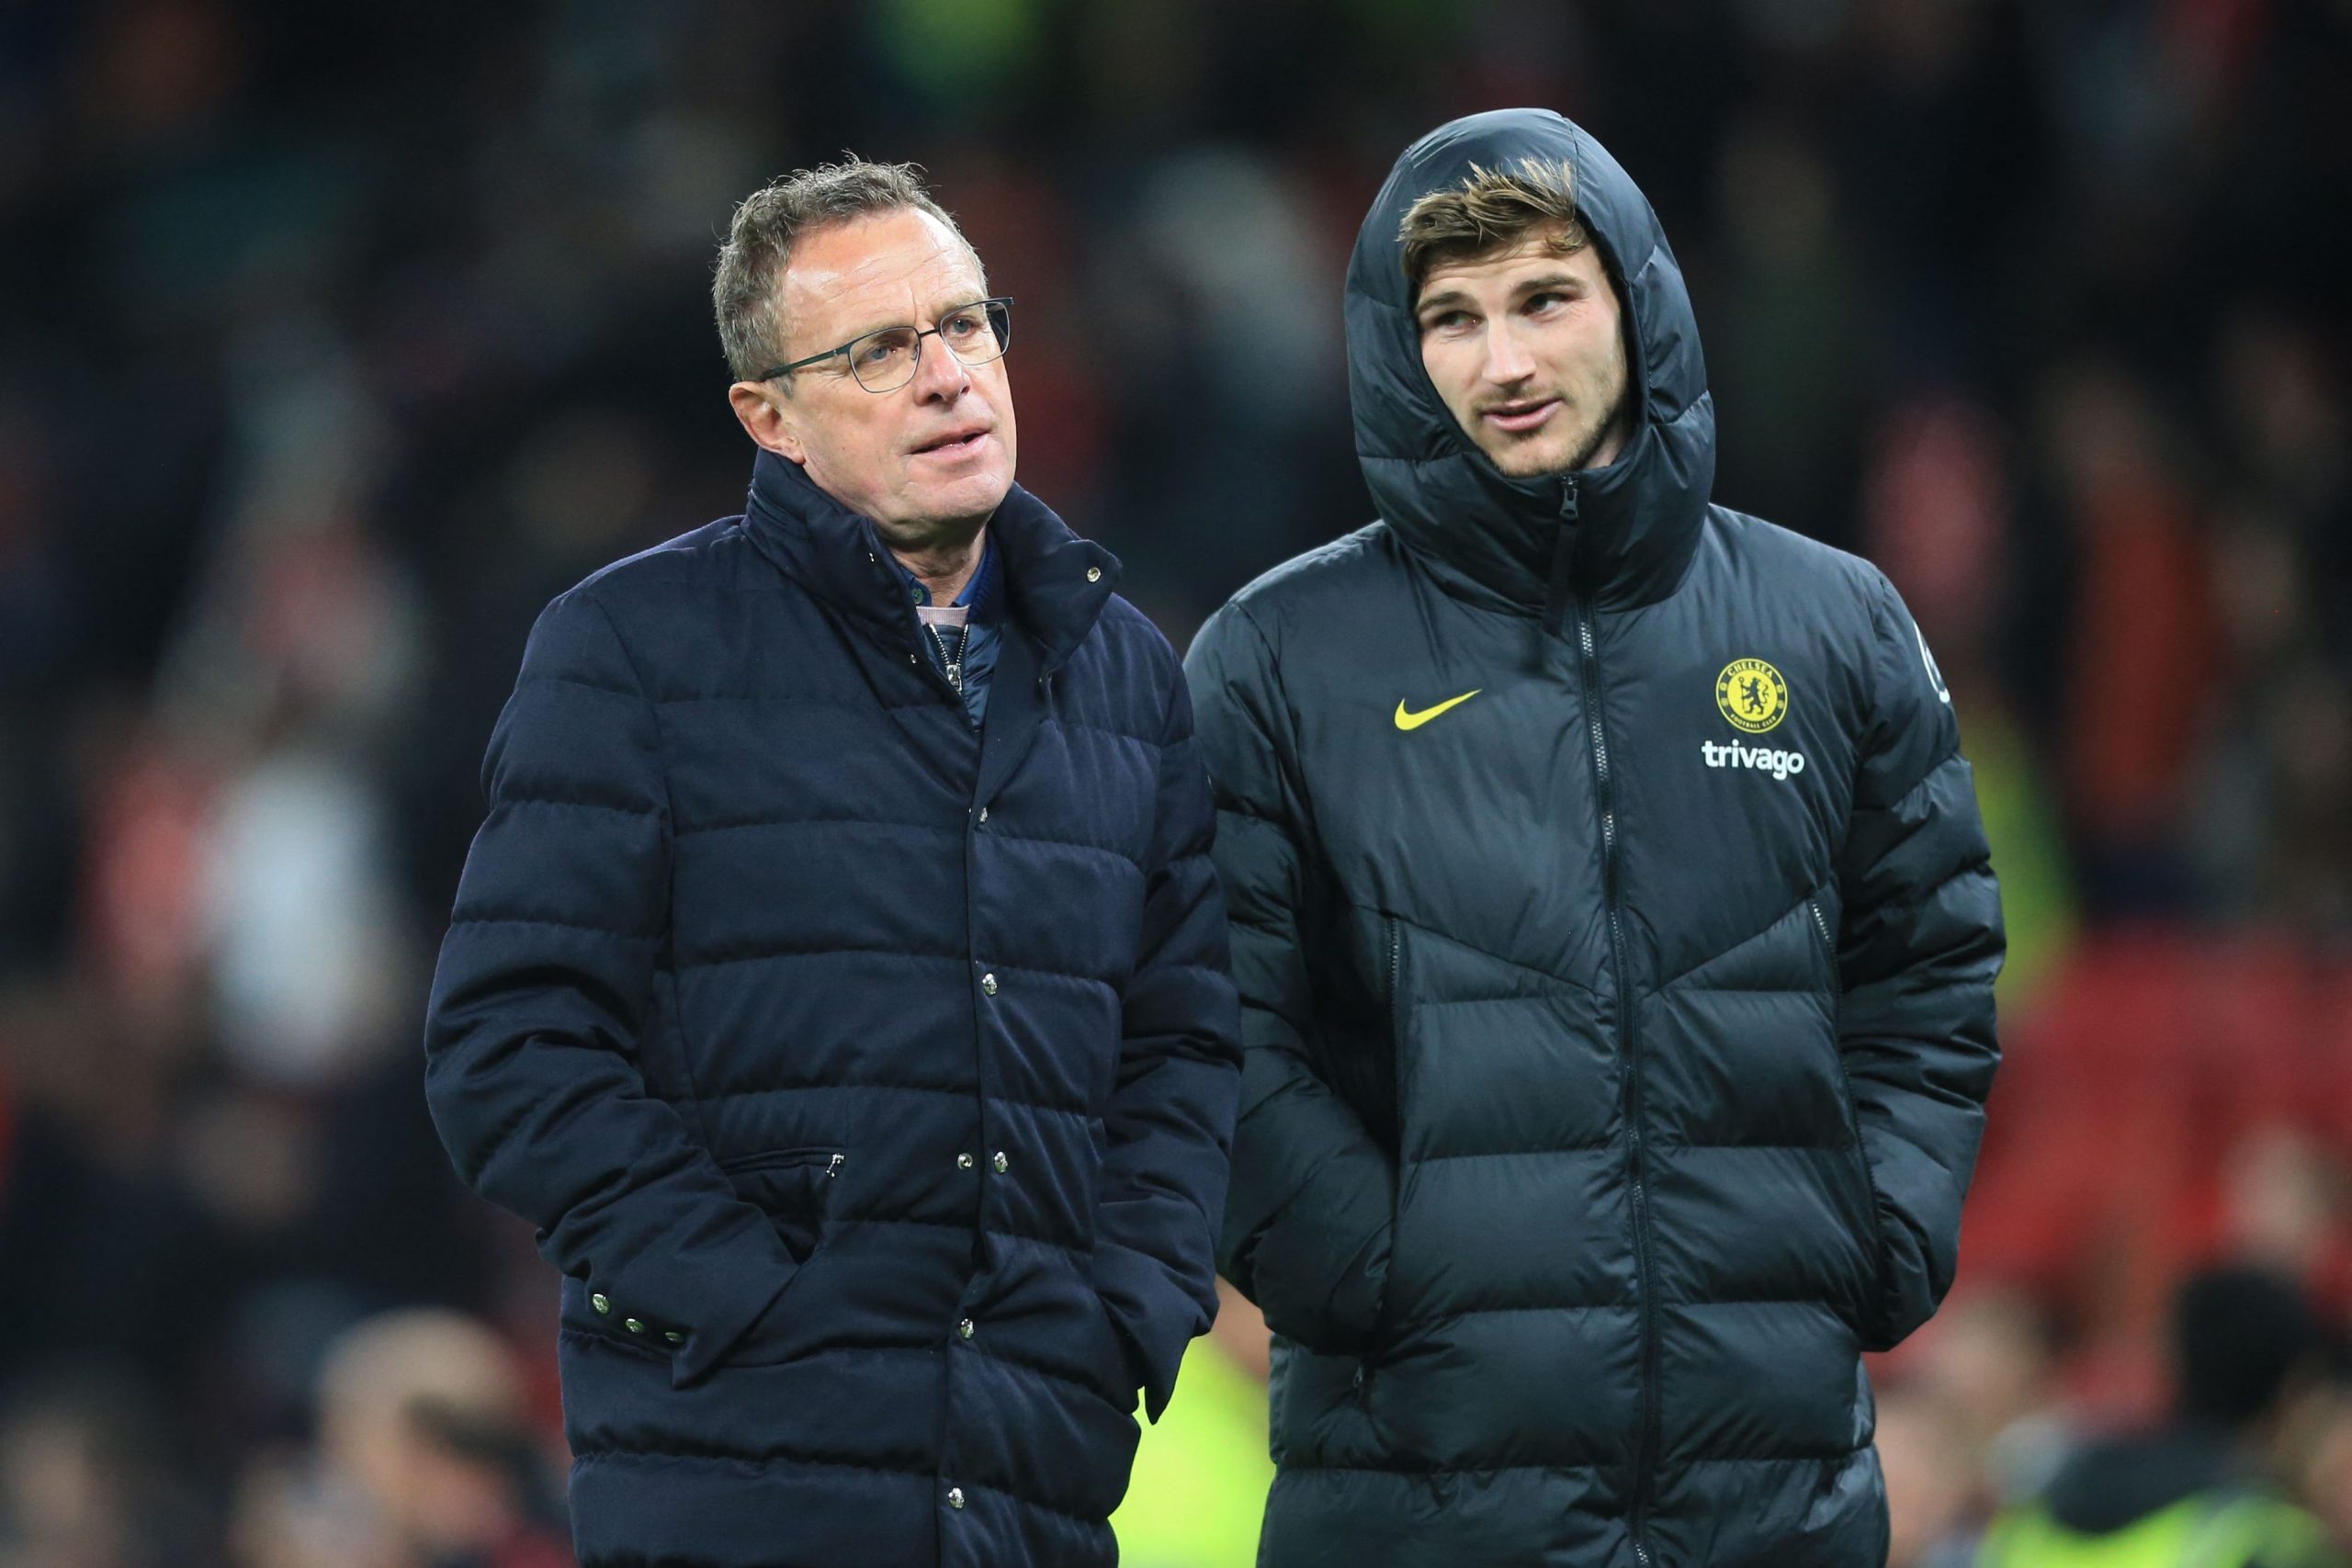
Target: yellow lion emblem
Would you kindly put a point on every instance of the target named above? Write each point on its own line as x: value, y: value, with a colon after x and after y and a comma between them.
x: 1752, y: 695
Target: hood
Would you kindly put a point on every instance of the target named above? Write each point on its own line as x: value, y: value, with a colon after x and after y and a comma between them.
x: 1623, y: 534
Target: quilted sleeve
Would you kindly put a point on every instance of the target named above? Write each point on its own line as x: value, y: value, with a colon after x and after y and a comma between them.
x: 1308, y: 1221
x: 1919, y: 946
x: 1169, y: 1121
x: 532, y: 1031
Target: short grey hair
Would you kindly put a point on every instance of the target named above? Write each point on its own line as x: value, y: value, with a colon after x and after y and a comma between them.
x: 769, y: 221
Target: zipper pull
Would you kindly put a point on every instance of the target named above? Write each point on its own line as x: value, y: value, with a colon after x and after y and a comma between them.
x: 833, y: 1167
x: 1564, y: 548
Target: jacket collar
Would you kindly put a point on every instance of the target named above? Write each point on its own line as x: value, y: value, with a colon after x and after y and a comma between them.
x: 1624, y: 534
x: 838, y: 556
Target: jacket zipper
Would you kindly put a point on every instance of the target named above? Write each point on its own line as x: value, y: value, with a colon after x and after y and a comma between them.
x: 926, y: 639
x: 954, y: 668
x: 1646, y: 1453
x: 787, y: 1159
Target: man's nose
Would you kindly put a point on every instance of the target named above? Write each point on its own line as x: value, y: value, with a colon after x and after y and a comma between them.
x: 1506, y: 358
x: 939, y: 374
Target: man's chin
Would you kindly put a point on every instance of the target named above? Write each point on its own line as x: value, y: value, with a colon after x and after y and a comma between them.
x: 1533, y: 460
x: 1548, y: 457
x: 949, y: 510
x: 975, y: 495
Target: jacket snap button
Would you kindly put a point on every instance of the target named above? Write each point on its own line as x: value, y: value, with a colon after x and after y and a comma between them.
x: 965, y: 1328
x: 1093, y: 574
x: 987, y: 985
x: 633, y: 1325
x: 1001, y: 1164
x: 984, y: 813
x: 601, y: 1302
x: 963, y: 1162
x: 955, y: 1496
x: 673, y: 1337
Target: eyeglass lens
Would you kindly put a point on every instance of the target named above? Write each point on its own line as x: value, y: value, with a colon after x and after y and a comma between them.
x: 885, y: 361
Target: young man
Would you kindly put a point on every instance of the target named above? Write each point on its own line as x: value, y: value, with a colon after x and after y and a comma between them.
x: 1613, y: 925
x: 839, y: 982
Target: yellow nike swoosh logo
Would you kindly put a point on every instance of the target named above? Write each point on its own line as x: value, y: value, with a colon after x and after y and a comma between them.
x: 1415, y: 720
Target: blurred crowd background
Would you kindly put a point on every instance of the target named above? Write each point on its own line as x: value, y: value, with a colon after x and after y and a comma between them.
x: 336, y: 339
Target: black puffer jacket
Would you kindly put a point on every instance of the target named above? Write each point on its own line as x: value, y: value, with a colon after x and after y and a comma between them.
x: 1617, y: 1036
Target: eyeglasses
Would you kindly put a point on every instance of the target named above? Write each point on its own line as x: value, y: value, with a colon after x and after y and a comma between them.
x: 885, y: 361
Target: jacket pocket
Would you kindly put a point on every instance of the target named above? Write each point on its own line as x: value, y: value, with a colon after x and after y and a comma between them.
x: 1116, y: 1360
x: 1828, y: 950
x: 1837, y: 1005
x: 1872, y: 1235
x: 1402, y: 1066
x: 793, y: 1187
x: 588, y: 1313
x: 1392, y: 999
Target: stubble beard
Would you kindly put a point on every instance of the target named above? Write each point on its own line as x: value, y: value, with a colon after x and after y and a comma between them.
x: 1587, y: 446
x: 1610, y: 424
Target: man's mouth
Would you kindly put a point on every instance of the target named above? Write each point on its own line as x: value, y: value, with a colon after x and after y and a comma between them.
x: 956, y: 443
x: 1520, y: 417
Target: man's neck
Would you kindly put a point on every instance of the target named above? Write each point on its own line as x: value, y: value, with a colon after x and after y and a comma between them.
x: 945, y: 568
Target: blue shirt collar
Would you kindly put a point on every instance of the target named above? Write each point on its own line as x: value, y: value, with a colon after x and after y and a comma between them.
x: 979, y: 593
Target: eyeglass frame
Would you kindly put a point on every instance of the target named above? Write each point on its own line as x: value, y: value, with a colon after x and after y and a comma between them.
x: 916, y: 364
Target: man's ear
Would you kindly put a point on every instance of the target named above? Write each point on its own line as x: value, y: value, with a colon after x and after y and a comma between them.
x: 767, y: 417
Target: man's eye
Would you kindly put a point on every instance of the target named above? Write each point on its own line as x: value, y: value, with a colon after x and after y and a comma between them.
x: 963, y: 325
x: 1447, y: 321
x: 1544, y: 300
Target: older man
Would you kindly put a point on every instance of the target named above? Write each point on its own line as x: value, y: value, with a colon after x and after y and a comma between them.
x: 1616, y: 930
x: 838, y: 982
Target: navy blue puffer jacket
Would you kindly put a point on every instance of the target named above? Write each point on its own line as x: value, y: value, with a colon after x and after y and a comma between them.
x: 1616, y: 939
x: 869, y: 1077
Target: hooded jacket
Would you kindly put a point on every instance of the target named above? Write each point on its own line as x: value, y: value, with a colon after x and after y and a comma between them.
x: 1616, y: 939
x: 867, y: 1075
